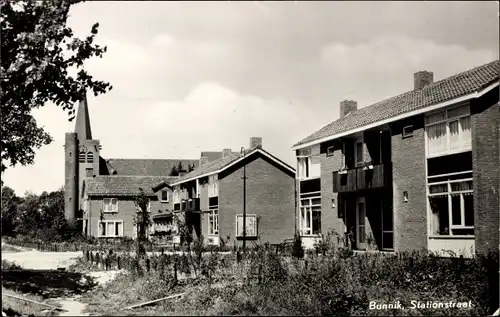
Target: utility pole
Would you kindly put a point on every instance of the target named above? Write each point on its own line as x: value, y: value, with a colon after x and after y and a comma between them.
x: 244, y: 202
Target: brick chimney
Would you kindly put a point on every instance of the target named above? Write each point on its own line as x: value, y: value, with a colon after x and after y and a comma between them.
x: 347, y: 106
x: 255, y: 141
x: 226, y: 152
x: 422, y: 79
x: 203, y: 160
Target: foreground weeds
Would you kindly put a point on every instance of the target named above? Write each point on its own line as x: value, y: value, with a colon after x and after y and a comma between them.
x: 338, y: 283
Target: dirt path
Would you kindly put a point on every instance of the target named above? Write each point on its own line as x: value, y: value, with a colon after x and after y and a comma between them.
x: 36, y: 260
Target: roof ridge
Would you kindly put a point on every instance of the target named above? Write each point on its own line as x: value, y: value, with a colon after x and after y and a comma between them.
x: 421, y: 98
x: 136, y: 159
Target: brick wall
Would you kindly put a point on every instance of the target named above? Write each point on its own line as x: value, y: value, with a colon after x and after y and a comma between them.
x: 329, y: 164
x: 408, y: 161
x: 269, y: 195
x: 485, y: 162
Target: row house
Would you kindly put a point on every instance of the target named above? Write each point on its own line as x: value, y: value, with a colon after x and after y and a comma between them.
x: 109, y: 208
x: 415, y: 171
x: 213, y: 199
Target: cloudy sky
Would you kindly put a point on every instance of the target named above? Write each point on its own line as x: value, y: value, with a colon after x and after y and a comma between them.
x: 200, y: 76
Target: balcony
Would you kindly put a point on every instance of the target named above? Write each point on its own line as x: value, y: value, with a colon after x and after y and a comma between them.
x: 362, y: 178
x: 192, y: 204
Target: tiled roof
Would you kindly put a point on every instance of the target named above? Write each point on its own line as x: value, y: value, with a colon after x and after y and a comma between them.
x: 219, y: 164
x: 105, y: 185
x: 150, y: 167
x: 447, y: 89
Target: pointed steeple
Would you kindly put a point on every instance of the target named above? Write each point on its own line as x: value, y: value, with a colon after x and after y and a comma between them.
x: 82, y: 126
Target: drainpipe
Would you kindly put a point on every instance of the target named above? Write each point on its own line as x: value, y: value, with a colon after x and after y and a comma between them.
x: 244, y: 202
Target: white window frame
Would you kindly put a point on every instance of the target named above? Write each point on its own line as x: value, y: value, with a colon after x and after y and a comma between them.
x: 307, y: 210
x: 343, y: 158
x: 213, y: 185
x: 176, y: 196
x: 465, y: 142
x: 107, y: 205
x: 105, y: 222
x: 305, y: 163
x: 213, y: 228
x: 168, y: 196
x: 239, y: 217
x: 449, y: 193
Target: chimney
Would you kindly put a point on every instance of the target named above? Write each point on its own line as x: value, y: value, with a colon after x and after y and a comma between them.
x: 203, y: 160
x: 347, y: 106
x: 422, y: 79
x: 255, y: 142
x: 226, y: 152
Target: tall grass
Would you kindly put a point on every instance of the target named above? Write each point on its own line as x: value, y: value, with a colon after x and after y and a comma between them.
x: 263, y: 282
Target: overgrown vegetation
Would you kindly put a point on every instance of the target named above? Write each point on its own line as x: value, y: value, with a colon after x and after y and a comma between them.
x: 335, y: 282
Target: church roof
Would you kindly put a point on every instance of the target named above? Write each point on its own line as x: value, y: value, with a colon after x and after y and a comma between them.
x: 82, y: 125
x: 119, y: 185
x: 150, y: 167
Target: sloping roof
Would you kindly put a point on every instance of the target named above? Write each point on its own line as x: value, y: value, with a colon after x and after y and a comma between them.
x: 211, y: 155
x: 119, y: 185
x: 149, y: 167
x: 456, y: 86
x: 224, y: 162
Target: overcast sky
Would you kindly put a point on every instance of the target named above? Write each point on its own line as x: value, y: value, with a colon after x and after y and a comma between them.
x: 203, y: 76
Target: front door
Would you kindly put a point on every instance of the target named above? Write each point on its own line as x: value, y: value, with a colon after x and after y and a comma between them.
x: 360, y: 223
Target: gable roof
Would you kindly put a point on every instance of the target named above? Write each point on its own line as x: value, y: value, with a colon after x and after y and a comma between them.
x: 223, y: 163
x: 460, y: 85
x: 119, y: 185
x: 149, y: 167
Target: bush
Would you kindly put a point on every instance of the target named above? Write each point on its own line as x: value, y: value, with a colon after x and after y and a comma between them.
x: 298, y: 249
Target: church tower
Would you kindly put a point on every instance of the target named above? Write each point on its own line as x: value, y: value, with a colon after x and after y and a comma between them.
x: 81, y: 160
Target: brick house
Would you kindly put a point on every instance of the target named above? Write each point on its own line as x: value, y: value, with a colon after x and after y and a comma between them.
x: 211, y: 198
x: 109, y: 207
x: 419, y: 170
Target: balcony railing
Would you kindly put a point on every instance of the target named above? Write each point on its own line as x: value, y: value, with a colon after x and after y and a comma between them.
x: 192, y: 204
x: 362, y: 178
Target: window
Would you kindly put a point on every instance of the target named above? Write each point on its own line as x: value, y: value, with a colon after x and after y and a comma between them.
x: 89, y: 172
x: 110, y: 228
x: 176, y: 196
x: 213, y: 222
x: 330, y: 151
x: 90, y: 157
x: 110, y: 205
x: 81, y: 157
x: 452, y: 206
x: 164, y: 195
x: 310, y: 215
x: 308, y: 163
x: 213, y: 186
x: 448, y: 131
x: 359, y: 153
x: 408, y: 131
x: 251, y: 225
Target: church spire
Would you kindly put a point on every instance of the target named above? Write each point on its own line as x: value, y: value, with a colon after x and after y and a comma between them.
x: 82, y: 126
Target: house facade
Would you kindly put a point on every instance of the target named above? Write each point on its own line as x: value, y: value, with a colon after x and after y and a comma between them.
x: 416, y: 171
x: 213, y: 199
x: 109, y: 208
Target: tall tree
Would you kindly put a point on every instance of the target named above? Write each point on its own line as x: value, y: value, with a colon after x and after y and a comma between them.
x: 10, y: 204
x: 37, y: 50
x: 142, y: 221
